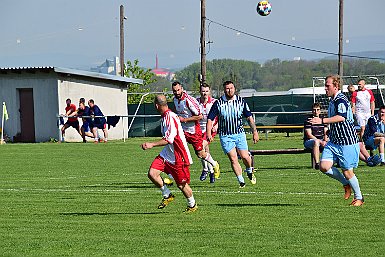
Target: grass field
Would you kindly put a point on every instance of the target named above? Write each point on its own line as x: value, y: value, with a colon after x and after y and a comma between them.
x: 76, y: 199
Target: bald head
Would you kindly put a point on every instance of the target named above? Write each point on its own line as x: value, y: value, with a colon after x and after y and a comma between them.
x: 160, y: 100
x: 160, y: 103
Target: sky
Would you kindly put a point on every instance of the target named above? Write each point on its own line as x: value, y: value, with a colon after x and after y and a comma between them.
x: 84, y: 33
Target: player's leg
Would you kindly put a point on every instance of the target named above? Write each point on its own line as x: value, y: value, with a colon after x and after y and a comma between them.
x: 379, y: 142
x: 236, y: 167
x: 156, y: 168
x: 105, y: 132
x: 95, y: 133
x: 349, y: 161
x: 65, y: 126
x: 246, y: 159
x: 205, y: 167
x: 329, y: 155
x: 197, y: 142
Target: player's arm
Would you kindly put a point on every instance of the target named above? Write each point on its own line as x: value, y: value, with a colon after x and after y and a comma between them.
x: 213, y: 115
x: 309, y: 134
x: 253, y: 128
x: 372, y: 106
x: 149, y: 145
x: 193, y: 105
x: 192, y: 118
x: 353, y: 101
x: 73, y: 114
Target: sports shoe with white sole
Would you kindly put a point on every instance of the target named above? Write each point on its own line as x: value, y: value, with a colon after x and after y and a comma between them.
x: 217, y: 170
x: 252, y: 178
x: 191, y: 209
x: 166, y: 201
x: 203, y: 175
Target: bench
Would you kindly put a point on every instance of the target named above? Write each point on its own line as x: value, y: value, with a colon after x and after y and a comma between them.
x: 282, y: 151
x: 268, y: 128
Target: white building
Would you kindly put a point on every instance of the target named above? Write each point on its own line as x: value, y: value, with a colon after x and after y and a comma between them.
x: 35, y: 96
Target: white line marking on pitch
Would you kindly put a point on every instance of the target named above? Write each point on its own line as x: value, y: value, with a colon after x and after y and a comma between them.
x: 67, y: 189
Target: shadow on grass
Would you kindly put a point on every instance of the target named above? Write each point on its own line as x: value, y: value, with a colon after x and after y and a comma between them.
x: 284, y: 168
x: 107, y: 213
x: 121, y: 185
x: 236, y: 205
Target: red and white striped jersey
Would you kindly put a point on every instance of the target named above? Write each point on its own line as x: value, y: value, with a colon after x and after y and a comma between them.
x: 205, y: 109
x: 176, y: 151
x: 186, y: 107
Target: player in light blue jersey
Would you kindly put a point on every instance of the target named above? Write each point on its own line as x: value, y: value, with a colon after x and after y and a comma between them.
x: 343, y: 146
x: 230, y: 109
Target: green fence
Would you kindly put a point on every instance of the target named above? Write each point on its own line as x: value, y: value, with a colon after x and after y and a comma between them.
x: 269, y: 105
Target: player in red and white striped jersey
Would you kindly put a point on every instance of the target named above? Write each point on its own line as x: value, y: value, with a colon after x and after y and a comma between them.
x: 187, y: 108
x: 174, y: 159
x: 205, y: 102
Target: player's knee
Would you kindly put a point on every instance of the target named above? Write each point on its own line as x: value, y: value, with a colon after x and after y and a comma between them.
x: 153, y: 173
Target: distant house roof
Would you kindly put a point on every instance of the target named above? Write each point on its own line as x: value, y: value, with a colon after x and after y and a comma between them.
x: 74, y: 72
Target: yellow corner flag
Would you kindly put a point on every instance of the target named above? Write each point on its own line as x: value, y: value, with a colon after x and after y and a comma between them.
x: 5, y: 113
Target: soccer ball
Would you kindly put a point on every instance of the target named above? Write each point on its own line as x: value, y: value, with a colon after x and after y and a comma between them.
x: 264, y: 8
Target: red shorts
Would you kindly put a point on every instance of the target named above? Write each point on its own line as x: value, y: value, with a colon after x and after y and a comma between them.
x: 204, y: 136
x: 180, y: 172
x: 196, y: 140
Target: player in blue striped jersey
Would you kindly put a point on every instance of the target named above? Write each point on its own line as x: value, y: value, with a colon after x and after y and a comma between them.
x: 343, y: 146
x: 230, y: 109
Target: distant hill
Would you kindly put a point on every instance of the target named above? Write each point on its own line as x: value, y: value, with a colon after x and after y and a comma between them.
x: 370, y: 54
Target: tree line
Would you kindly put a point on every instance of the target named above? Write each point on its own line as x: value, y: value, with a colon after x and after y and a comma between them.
x: 273, y: 75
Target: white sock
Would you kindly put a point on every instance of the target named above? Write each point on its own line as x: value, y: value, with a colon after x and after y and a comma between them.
x: 165, y: 191
x: 211, y: 169
x: 210, y: 159
x: 191, y: 201
x: 382, y: 157
x: 204, y: 165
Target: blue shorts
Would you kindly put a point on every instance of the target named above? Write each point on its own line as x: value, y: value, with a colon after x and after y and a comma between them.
x: 370, y: 142
x: 228, y: 142
x: 86, y: 126
x: 347, y: 156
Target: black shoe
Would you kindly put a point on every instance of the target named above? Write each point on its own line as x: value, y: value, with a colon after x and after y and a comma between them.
x: 316, y: 166
x: 382, y: 164
x: 242, y: 185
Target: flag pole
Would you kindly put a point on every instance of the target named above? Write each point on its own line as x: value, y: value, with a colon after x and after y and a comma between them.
x: 2, y: 126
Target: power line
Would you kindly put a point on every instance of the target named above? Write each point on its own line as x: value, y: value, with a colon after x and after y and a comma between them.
x: 289, y: 45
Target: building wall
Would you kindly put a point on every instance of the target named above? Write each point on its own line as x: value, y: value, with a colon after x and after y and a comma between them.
x: 44, y: 87
x: 109, y: 96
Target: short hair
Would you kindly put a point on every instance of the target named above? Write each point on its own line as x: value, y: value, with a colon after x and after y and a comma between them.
x: 204, y: 84
x: 228, y: 82
x: 175, y: 83
x: 91, y: 101
x: 316, y: 105
x: 160, y: 100
x: 381, y: 107
x: 82, y: 100
x: 336, y: 80
x: 361, y: 80
x: 68, y: 100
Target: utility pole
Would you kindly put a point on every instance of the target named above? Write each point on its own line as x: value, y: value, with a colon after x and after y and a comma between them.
x: 340, y: 39
x: 203, y: 42
x: 122, y: 40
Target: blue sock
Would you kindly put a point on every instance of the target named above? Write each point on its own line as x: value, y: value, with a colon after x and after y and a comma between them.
x: 240, y: 179
x: 334, y: 173
x: 356, y: 187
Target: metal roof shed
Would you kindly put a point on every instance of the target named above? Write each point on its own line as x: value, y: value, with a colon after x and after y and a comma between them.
x: 35, y: 96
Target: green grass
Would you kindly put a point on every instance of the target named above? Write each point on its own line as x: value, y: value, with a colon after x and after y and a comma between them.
x: 77, y: 199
